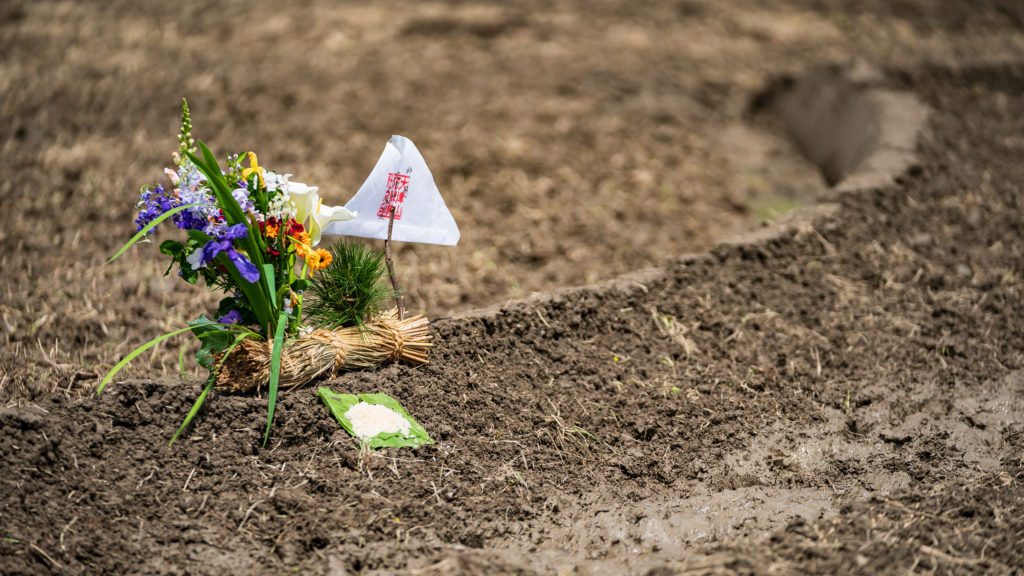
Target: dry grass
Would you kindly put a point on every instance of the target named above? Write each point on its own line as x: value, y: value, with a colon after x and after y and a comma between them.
x: 571, y: 142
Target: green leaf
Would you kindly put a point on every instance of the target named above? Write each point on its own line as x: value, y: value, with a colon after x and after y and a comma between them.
x: 172, y: 248
x: 266, y: 307
x: 211, y: 169
x: 142, y: 233
x: 268, y: 277
x: 199, y: 236
x: 210, y: 383
x: 226, y: 304
x: 124, y: 362
x: 214, y: 340
x: 188, y: 274
x: 339, y: 404
x: 176, y: 250
x: 181, y: 361
x: 275, y: 371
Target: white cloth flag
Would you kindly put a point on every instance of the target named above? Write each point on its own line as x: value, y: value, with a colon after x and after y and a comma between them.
x: 400, y: 179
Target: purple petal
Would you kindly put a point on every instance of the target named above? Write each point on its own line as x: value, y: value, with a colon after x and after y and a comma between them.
x: 237, y: 231
x: 214, y: 247
x: 232, y: 317
x: 246, y: 268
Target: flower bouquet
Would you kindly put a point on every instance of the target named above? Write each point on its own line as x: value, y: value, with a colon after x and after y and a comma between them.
x: 253, y: 235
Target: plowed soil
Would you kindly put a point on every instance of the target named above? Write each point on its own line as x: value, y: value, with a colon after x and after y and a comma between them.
x: 839, y: 391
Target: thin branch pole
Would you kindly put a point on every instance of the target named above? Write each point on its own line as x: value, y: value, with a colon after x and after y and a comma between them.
x: 399, y: 301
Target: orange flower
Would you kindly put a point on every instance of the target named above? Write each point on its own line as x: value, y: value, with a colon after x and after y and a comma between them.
x: 271, y: 230
x: 301, y: 241
x: 323, y: 259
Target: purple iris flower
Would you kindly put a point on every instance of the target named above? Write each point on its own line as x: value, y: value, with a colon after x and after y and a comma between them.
x: 233, y: 317
x: 235, y: 232
x: 223, y: 243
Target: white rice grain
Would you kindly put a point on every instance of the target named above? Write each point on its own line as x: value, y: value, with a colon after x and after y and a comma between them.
x: 369, y: 420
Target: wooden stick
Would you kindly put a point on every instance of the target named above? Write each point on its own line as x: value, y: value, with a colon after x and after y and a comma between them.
x: 399, y: 301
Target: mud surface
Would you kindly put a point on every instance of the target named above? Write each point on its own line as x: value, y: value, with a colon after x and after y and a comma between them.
x: 840, y: 392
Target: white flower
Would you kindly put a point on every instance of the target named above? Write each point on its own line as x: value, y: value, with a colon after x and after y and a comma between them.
x: 304, y: 198
x: 310, y: 211
x: 195, y: 259
x: 325, y: 215
x: 274, y: 181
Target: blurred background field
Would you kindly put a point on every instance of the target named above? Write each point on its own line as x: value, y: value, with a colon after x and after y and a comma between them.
x: 572, y: 140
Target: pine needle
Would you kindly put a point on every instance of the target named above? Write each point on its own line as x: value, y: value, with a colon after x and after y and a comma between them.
x: 350, y: 290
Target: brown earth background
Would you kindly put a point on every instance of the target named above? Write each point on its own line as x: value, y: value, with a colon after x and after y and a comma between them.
x: 841, y: 392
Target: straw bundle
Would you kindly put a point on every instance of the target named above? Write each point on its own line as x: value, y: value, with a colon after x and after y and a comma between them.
x: 326, y: 352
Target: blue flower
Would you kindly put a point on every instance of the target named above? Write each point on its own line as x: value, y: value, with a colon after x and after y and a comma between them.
x: 232, y: 317
x: 237, y: 231
x: 223, y: 243
x: 153, y: 202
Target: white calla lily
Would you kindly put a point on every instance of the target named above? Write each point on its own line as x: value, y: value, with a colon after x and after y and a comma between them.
x: 304, y: 198
x: 310, y: 211
x: 322, y: 216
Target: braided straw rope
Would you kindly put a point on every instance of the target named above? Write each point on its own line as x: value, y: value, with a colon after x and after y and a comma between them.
x: 384, y: 339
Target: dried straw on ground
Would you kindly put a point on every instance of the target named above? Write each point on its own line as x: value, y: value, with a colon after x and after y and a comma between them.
x: 326, y: 352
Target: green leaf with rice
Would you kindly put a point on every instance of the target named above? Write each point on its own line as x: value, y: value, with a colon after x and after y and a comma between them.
x: 340, y: 404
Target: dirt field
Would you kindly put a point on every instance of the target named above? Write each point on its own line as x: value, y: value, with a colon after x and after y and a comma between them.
x: 839, y: 392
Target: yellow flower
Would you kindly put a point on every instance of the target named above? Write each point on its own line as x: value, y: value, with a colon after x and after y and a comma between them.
x: 254, y: 168
x: 323, y: 259
x: 317, y: 260
x: 313, y: 261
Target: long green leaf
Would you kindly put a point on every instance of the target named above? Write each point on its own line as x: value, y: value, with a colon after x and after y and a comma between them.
x: 210, y: 382
x: 211, y: 169
x: 275, y: 372
x: 181, y: 361
x: 142, y: 233
x: 117, y: 368
x: 232, y: 210
x: 233, y: 214
x: 268, y: 276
